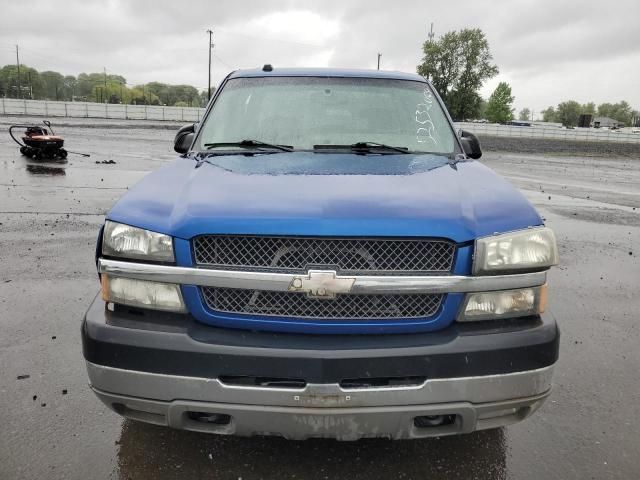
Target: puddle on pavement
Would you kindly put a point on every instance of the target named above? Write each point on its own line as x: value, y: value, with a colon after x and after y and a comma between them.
x: 45, y: 170
x: 149, y: 451
x: 48, y: 168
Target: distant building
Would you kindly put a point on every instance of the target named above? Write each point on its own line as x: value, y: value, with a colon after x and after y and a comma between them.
x: 606, y: 122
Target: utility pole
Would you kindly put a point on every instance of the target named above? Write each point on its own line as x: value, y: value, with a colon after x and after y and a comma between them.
x: 19, y: 95
x: 379, y: 55
x: 210, y: 32
x: 430, y: 36
x: 105, y: 84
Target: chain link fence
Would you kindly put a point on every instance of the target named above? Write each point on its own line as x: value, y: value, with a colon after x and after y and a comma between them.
x: 45, y: 108
x: 542, y: 131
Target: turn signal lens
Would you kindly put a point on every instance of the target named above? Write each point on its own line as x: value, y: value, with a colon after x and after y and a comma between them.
x: 143, y: 294
x: 504, y: 304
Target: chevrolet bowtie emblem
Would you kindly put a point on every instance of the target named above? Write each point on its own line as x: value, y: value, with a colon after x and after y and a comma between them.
x: 321, y: 284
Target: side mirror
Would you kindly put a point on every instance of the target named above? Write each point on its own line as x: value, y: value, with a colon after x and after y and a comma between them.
x: 184, y: 138
x: 470, y: 144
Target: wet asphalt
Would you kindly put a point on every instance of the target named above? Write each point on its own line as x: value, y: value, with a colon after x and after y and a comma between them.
x: 51, y: 425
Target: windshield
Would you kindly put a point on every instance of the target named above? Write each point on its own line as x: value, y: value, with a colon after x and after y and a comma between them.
x: 303, y: 112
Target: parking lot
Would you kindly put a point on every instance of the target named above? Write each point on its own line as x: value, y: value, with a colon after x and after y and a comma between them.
x: 54, y: 427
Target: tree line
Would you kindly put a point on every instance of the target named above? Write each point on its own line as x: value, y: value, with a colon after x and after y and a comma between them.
x: 459, y: 62
x: 93, y: 87
x: 568, y: 112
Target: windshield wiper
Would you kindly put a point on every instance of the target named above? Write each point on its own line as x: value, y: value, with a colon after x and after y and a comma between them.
x: 363, y: 147
x: 249, y: 144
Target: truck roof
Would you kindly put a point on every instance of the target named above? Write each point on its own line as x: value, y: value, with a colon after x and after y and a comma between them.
x: 325, y: 72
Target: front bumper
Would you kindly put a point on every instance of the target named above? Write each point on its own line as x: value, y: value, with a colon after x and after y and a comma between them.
x: 162, y: 368
x: 323, y: 411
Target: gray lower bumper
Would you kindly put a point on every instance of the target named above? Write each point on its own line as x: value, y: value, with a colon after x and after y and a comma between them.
x: 323, y: 410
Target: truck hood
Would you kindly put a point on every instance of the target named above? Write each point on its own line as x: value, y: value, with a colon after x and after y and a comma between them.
x: 304, y: 193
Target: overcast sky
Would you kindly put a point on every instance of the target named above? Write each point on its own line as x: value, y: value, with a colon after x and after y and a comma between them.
x: 548, y: 51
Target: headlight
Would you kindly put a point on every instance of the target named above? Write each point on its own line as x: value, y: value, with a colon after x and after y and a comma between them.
x: 504, y: 304
x: 120, y: 240
x: 529, y: 249
x: 143, y: 294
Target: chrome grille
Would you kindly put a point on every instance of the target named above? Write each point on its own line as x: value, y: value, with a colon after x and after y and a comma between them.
x: 346, y: 255
x: 295, y: 304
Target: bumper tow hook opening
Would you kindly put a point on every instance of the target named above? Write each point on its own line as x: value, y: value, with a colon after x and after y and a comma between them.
x: 428, y: 421
x: 211, y: 418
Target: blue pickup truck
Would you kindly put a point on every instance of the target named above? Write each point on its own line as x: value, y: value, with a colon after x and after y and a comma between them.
x: 326, y: 258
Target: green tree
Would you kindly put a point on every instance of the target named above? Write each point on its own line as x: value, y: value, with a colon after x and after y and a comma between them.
x: 9, y: 81
x: 457, y: 64
x: 620, y: 111
x: 171, y: 94
x: 54, y: 85
x: 96, y: 87
x: 37, y: 86
x: 204, y: 97
x: 589, y: 108
x: 499, y: 108
x: 568, y: 113
x: 93, y: 87
x: 549, y: 115
x: 525, y: 114
x: 69, y: 83
x: 87, y: 86
x: 185, y: 94
x: 141, y: 95
x: 160, y: 91
x: 482, y: 109
x: 31, y: 84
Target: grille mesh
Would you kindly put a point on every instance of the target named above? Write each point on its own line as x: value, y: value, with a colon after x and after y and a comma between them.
x: 296, y: 304
x: 346, y: 255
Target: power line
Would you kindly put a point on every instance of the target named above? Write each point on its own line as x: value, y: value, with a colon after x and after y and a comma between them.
x: 223, y: 62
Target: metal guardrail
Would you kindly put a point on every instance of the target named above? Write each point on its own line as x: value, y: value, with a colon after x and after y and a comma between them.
x: 538, y: 131
x: 46, y: 108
